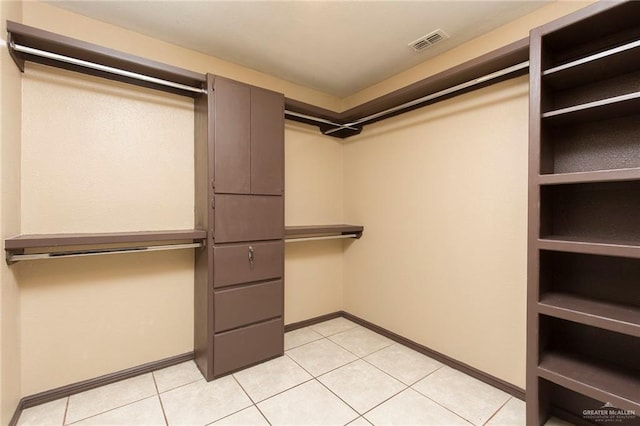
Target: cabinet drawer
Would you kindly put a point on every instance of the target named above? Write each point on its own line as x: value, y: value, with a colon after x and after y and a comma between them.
x: 248, y: 218
x: 231, y: 264
x: 236, y: 307
x: 246, y: 346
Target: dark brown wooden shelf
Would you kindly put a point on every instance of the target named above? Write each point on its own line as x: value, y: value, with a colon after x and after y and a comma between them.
x: 601, y: 381
x: 590, y: 246
x: 602, y: 65
x: 60, y: 45
x: 609, y: 316
x: 617, y: 106
x: 308, y: 231
x: 617, y: 175
x: 22, y: 242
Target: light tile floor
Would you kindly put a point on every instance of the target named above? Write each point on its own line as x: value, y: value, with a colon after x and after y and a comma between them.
x: 333, y: 373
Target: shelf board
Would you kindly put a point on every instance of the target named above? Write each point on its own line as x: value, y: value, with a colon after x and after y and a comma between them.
x: 598, y: 380
x: 602, y: 65
x: 61, y: 45
x: 617, y: 175
x: 617, y: 106
x: 22, y: 242
x: 590, y: 246
x: 609, y: 316
x: 306, y: 231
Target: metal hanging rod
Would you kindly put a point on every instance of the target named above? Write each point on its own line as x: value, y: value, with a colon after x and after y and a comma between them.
x: 104, y: 68
x: 432, y: 96
x: 330, y: 237
x: 318, y: 119
x: 98, y: 252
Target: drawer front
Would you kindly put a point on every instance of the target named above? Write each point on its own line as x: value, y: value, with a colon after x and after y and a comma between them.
x: 248, y: 218
x: 246, y: 346
x: 236, y: 307
x: 231, y: 263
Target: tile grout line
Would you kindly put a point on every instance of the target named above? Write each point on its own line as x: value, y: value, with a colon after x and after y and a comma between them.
x: 66, y: 410
x: 497, y: 411
x: 112, y: 409
x: 255, y: 404
x: 436, y: 402
x: 155, y: 383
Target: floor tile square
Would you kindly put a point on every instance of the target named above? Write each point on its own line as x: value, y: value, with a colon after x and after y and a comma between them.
x: 271, y: 377
x: 321, y: 356
x: 177, y: 375
x: 299, y: 337
x: 248, y: 416
x: 468, y: 397
x: 51, y: 413
x: 333, y: 326
x: 203, y: 402
x: 411, y: 408
x: 403, y: 363
x: 114, y: 395
x: 307, y: 404
x: 511, y: 414
x: 361, y: 341
x: 147, y: 412
x: 361, y: 385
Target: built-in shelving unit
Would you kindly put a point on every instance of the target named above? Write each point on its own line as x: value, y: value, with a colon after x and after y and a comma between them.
x: 321, y: 232
x: 584, y: 203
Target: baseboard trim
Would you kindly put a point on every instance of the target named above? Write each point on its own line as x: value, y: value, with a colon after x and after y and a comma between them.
x: 312, y: 321
x: 460, y: 366
x: 85, y: 385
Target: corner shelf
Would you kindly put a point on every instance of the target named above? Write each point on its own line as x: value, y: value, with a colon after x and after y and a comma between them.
x: 598, y: 380
x: 606, y: 315
x: 102, y: 243
x: 322, y: 232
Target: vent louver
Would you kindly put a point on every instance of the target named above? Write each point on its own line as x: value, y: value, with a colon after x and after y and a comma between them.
x: 428, y: 40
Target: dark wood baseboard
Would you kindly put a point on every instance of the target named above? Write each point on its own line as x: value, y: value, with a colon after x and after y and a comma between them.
x: 85, y: 385
x: 460, y: 366
x: 312, y: 321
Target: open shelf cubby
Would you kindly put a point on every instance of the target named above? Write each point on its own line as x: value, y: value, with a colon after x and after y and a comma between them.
x: 602, y: 144
x: 606, y: 211
x: 587, y: 360
x: 600, y: 291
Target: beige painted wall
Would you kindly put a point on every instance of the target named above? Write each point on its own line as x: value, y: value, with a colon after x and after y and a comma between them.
x: 99, y: 156
x: 10, y: 104
x: 442, y: 193
x: 313, y: 195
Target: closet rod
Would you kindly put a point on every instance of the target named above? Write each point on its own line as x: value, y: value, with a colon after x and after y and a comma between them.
x: 317, y: 119
x: 96, y: 252
x: 104, y: 68
x: 330, y: 237
x: 430, y: 97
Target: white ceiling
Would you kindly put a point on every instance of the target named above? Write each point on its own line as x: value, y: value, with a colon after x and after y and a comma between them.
x: 338, y: 47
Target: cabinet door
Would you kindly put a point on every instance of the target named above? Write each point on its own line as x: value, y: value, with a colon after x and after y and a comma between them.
x: 267, y: 142
x: 232, y: 156
x: 248, y: 218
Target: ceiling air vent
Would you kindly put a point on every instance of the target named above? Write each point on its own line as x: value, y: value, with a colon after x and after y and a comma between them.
x: 428, y: 40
